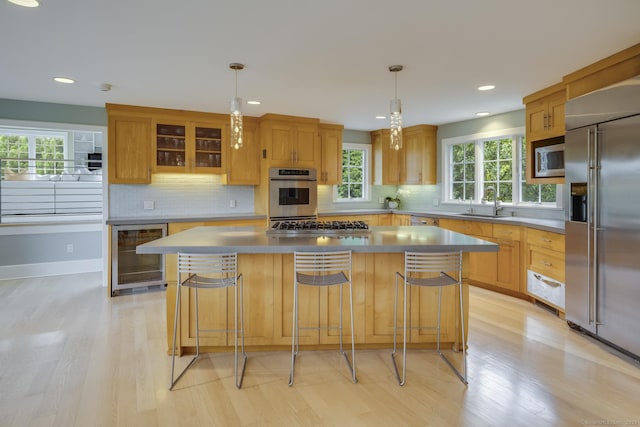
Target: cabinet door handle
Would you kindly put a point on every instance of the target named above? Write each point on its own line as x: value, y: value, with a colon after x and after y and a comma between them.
x: 547, y: 263
x: 545, y: 240
x: 551, y: 283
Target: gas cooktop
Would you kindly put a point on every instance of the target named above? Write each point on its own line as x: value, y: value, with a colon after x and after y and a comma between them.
x: 318, y: 228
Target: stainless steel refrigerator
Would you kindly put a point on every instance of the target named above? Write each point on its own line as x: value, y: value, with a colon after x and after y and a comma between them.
x: 602, y: 217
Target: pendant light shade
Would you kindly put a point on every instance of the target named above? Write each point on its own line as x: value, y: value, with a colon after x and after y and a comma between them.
x: 236, y: 112
x: 26, y: 3
x: 395, y: 125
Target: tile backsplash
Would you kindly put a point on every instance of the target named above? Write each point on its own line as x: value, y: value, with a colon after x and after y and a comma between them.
x: 180, y: 195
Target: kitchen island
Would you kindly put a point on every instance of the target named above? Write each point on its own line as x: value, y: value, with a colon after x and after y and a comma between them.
x: 266, y: 262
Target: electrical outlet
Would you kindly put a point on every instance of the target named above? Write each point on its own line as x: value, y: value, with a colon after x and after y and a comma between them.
x: 436, y: 202
x: 149, y: 204
x: 380, y: 199
x: 232, y: 203
x: 69, y: 248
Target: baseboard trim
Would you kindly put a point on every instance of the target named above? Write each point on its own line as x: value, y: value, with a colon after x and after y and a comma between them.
x: 50, y: 268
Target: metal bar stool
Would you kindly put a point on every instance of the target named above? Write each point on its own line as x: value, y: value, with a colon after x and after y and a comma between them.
x: 322, y: 269
x: 415, y: 264
x: 210, y: 271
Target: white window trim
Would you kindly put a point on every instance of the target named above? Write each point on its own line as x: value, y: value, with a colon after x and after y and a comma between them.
x: 31, y: 135
x: 446, y: 171
x: 367, y: 174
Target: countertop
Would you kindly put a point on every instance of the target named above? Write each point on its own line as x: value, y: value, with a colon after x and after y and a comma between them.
x: 553, y: 225
x: 254, y: 240
x: 166, y: 220
x: 556, y: 226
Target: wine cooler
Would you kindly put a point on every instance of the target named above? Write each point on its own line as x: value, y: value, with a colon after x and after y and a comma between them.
x: 130, y: 270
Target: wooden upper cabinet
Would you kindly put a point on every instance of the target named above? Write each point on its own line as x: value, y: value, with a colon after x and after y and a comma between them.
x: 545, y: 113
x: 129, y: 148
x: 620, y: 66
x: 290, y: 141
x: 243, y: 165
x: 420, y: 155
x: 414, y: 163
x: 190, y: 146
x: 387, y: 162
x: 330, y: 172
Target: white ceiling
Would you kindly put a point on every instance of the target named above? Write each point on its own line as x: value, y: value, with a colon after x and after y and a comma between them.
x: 323, y: 58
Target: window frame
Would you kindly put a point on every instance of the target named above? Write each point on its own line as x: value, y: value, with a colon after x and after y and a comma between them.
x: 32, y: 135
x: 366, y: 175
x: 517, y: 134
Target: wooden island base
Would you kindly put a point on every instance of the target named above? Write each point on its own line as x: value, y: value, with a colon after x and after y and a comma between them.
x: 268, y: 303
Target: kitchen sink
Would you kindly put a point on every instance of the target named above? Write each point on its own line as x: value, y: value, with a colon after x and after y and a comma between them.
x: 483, y: 215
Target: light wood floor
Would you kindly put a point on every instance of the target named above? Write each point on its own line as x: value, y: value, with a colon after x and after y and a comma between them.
x: 70, y: 356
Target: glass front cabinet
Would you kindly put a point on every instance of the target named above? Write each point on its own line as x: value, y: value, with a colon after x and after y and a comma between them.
x: 190, y: 147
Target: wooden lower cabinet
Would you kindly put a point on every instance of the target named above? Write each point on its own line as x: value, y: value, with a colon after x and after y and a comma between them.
x: 400, y: 219
x: 268, y: 299
x: 501, y: 270
x: 508, y: 265
x: 483, y: 267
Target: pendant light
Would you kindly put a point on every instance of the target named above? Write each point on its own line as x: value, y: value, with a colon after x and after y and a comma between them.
x: 25, y: 3
x: 236, y: 112
x: 395, y: 126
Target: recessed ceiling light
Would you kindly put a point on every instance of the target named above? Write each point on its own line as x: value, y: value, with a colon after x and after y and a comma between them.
x: 254, y: 102
x: 380, y: 117
x: 482, y: 113
x: 64, y: 80
x: 25, y: 3
x: 486, y: 87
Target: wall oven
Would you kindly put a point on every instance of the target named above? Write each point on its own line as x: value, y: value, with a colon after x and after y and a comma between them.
x: 293, y: 194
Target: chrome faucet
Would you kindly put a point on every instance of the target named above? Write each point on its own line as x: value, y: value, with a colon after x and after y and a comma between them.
x: 496, y: 208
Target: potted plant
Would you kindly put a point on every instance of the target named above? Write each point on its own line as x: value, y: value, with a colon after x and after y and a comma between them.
x: 392, y: 202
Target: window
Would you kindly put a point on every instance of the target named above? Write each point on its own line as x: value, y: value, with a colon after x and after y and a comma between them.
x: 355, y: 174
x: 477, y: 165
x: 43, y: 151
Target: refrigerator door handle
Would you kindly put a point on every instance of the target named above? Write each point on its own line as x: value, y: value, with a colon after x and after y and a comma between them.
x: 589, y: 224
x: 596, y: 223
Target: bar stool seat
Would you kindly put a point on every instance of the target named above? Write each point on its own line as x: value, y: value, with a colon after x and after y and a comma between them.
x: 322, y: 269
x: 448, y: 267
x: 210, y: 271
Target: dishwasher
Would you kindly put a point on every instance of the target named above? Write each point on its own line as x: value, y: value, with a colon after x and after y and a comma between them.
x: 130, y: 270
x: 423, y: 220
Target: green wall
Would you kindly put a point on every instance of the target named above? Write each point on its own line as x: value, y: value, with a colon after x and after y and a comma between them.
x: 12, y: 109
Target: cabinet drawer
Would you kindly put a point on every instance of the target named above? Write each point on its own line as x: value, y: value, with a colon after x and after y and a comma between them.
x: 550, y: 263
x: 545, y: 239
x: 475, y: 228
x: 546, y: 288
x: 506, y: 232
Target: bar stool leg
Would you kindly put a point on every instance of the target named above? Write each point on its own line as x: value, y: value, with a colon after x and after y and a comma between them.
x: 175, y: 331
x: 294, y: 332
x: 401, y: 380
x: 353, y: 341
x: 175, y: 328
x: 239, y: 296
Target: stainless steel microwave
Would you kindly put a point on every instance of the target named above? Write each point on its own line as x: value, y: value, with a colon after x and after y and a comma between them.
x: 549, y: 161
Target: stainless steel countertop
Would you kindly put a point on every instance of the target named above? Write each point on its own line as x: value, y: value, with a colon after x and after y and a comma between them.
x: 254, y: 240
